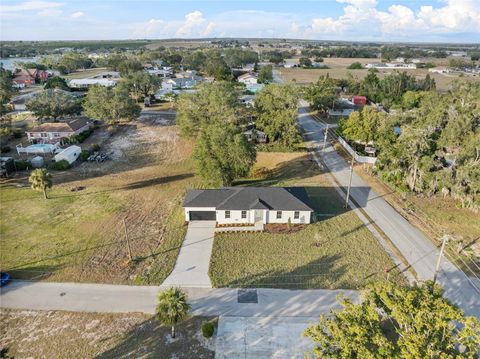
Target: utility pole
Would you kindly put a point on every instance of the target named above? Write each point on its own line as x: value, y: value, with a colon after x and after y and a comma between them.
x: 349, y: 182
x: 439, y: 259
x: 128, y: 242
x: 325, y: 138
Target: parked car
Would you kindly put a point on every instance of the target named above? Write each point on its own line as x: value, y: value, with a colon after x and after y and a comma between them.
x: 4, y: 278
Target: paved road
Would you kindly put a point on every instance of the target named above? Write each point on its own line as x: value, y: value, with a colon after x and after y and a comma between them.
x: 414, y: 246
x: 191, y: 268
x: 205, y: 301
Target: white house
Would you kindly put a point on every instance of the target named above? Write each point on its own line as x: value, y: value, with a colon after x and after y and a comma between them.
x: 250, y: 78
x: 53, y: 132
x: 86, y: 83
x: 237, y: 205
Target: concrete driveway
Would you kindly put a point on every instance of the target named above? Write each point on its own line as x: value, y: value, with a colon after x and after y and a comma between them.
x: 191, y: 269
x: 262, y: 337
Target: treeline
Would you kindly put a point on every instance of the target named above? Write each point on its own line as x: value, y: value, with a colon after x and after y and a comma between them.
x: 346, y: 52
x: 432, y: 149
x: 36, y: 48
x: 389, y: 91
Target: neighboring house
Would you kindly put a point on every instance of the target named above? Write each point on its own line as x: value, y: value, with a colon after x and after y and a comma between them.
x: 28, y: 77
x: 165, y: 71
x: 233, y: 205
x: 250, y: 78
x: 53, y: 132
x: 86, y: 83
x: 178, y: 83
x: 254, y: 135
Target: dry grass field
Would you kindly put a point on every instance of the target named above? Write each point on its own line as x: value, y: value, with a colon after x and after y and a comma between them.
x: 78, y: 234
x: 38, y: 334
x: 338, y: 70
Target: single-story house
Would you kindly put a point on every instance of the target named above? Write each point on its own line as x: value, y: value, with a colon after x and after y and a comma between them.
x: 86, y: 83
x: 234, y: 205
x: 53, y: 132
x: 179, y: 83
x: 249, y: 78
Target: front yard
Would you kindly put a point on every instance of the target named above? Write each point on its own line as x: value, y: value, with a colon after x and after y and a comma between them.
x: 337, y: 251
x: 38, y: 334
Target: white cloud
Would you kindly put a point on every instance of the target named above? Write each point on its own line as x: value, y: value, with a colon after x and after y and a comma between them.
x: 29, y: 5
x: 77, y: 14
x: 50, y: 12
x: 193, y: 25
x: 362, y: 18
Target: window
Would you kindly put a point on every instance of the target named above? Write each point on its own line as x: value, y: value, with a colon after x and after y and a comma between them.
x: 56, y: 134
x: 296, y: 214
x: 227, y: 214
x: 43, y: 134
x: 279, y: 214
x: 244, y: 214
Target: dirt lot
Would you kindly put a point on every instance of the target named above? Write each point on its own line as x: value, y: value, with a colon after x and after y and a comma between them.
x: 338, y: 69
x: 37, y: 334
x: 79, y: 235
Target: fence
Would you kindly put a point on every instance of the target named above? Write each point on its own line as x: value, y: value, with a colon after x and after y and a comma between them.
x: 358, y: 158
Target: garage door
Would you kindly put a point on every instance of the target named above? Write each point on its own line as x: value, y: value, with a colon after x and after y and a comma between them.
x: 203, y: 216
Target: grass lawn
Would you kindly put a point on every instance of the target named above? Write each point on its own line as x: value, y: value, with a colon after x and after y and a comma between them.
x: 37, y: 334
x: 337, y: 251
x: 79, y: 236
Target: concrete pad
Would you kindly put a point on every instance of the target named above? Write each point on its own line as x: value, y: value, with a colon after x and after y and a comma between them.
x: 262, y: 337
x: 191, y: 269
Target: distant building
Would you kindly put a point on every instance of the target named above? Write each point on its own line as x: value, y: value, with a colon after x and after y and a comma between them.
x: 250, y: 78
x: 255, y: 135
x: 86, y: 83
x: 28, y: 77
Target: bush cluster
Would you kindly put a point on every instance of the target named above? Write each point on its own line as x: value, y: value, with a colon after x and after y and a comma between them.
x: 60, y: 165
x: 208, y: 329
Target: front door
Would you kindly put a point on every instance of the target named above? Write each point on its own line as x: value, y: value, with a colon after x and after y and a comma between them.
x: 258, y: 215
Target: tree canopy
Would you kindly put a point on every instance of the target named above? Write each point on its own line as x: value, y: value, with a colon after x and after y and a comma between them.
x: 172, y: 307
x: 109, y: 104
x: 266, y: 74
x: 40, y: 180
x: 215, y: 102
x: 276, y: 109
x: 394, y: 321
x: 6, y: 89
x: 363, y: 126
x: 222, y: 154
x: 322, y: 94
x: 53, y: 103
x: 140, y: 84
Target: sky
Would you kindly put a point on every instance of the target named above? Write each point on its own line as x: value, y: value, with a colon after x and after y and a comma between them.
x: 455, y: 21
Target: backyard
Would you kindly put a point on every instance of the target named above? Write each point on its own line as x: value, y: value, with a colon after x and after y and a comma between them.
x: 50, y: 334
x: 337, y: 251
x: 78, y: 233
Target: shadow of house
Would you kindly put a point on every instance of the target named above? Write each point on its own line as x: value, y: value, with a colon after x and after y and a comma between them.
x: 322, y: 272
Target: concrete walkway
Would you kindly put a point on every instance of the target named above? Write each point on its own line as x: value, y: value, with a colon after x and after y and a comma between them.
x: 262, y: 337
x: 107, y: 298
x: 418, y: 250
x: 191, y: 268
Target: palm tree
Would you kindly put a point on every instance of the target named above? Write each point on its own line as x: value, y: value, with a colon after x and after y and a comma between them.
x: 40, y: 180
x: 172, y: 307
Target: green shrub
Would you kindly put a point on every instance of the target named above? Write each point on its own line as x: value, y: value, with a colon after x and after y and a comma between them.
x: 81, y: 137
x: 60, y: 165
x: 208, y: 329
x: 355, y: 66
x: 21, y: 165
x: 95, y: 147
x: 84, y: 155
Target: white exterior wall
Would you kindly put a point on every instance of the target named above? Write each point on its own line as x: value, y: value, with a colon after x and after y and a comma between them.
x: 235, y: 217
x: 188, y: 209
x: 304, y: 217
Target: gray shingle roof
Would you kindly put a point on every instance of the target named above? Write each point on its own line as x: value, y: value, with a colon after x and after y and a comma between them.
x: 243, y: 198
